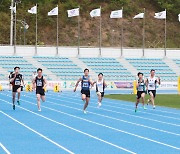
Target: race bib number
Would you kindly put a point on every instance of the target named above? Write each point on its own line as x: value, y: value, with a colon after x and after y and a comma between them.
x: 85, y: 85
x: 17, y: 82
x: 151, y: 85
x: 39, y: 83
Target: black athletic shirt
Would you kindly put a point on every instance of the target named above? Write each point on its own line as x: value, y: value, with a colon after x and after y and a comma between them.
x: 39, y: 83
x: 18, y: 79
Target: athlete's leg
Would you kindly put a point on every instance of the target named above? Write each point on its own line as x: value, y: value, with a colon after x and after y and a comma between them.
x: 152, y: 98
x: 83, y: 96
x: 87, y: 103
x: 43, y: 98
x: 19, y: 94
x: 13, y: 97
x: 143, y: 100
x: 38, y: 101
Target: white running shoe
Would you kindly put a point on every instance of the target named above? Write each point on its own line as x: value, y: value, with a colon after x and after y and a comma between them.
x: 84, y: 111
x: 39, y: 110
x: 99, y: 104
x: 154, y: 107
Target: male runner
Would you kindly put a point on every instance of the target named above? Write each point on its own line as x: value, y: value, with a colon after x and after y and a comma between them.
x: 39, y: 83
x: 100, y: 86
x: 17, y: 82
x: 152, y: 82
x: 140, y: 85
x: 85, y: 88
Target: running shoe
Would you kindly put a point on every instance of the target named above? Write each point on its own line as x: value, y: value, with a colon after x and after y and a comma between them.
x: 39, y: 110
x: 135, y: 109
x: 13, y: 107
x: 84, y: 111
x: 144, y: 108
x: 99, y: 104
x: 18, y: 102
x: 154, y: 107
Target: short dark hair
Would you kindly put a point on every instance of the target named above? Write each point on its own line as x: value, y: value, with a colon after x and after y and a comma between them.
x: 140, y: 73
x: 100, y: 74
x: 16, y: 67
x: 39, y: 69
x: 152, y: 70
x: 86, y: 70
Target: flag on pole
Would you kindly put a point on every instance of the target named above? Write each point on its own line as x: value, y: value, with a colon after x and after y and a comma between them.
x: 95, y: 13
x: 13, y: 8
x: 73, y: 12
x: 33, y: 10
x: 116, y: 14
x: 53, y: 12
x: 160, y: 15
x: 139, y: 16
x: 179, y: 17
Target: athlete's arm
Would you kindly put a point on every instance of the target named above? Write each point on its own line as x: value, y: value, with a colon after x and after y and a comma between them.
x: 146, y: 83
x: 105, y: 84
x: 22, y: 80
x: 91, y: 82
x: 137, y: 84
x: 13, y: 78
x: 77, y: 83
x: 158, y: 80
x: 34, y: 84
x: 45, y: 83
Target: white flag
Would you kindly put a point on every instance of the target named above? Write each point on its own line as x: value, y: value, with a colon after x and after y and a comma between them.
x: 13, y: 8
x: 160, y: 15
x: 116, y: 14
x: 33, y: 10
x: 179, y: 17
x: 139, y: 16
x: 53, y: 12
x: 95, y: 13
x: 73, y: 12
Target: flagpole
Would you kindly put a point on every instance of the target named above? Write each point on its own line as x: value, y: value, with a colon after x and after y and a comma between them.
x: 57, y: 33
x: 122, y: 35
x: 100, y: 39
x: 165, y: 37
x: 79, y: 33
x: 36, y: 32
x: 15, y: 31
x: 144, y: 33
x: 12, y: 22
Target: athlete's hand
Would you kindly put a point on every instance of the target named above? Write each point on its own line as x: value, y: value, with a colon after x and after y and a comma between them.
x: 74, y: 89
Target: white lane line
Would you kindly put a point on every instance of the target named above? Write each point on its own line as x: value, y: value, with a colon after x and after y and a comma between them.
x: 46, y: 138
x: 106, y: 100
x: 138, y: 111
x: 103, y: 125
x: 164, y: 131
x: 4, y: 148
x: 122, y: 113
x: 81, y: 132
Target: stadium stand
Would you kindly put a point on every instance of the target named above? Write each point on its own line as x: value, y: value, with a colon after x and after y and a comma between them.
x: 146, y: 64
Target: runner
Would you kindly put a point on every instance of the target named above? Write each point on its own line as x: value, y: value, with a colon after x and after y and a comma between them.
x: 85, y: 88
x: 141, y: 84
x: 17, y: 82
x: 100, y: 86
x: 39, y: 83
x: 152, y: 82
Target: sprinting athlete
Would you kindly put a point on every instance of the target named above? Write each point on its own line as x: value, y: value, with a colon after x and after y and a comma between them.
x: 140, y: 85
x: 152, y: 82
x: 39, y: 83
x: 100, y: 86
x: 85, y: 88
x: 17, y: 82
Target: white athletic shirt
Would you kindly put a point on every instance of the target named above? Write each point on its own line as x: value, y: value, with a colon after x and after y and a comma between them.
x: 152, y: 83
x: 100, y: 86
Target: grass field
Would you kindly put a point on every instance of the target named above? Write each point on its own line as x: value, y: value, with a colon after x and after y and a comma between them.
x: 168, y: 100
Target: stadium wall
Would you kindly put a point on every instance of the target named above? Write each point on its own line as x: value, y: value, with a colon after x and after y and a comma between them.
x: 88, y: 52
